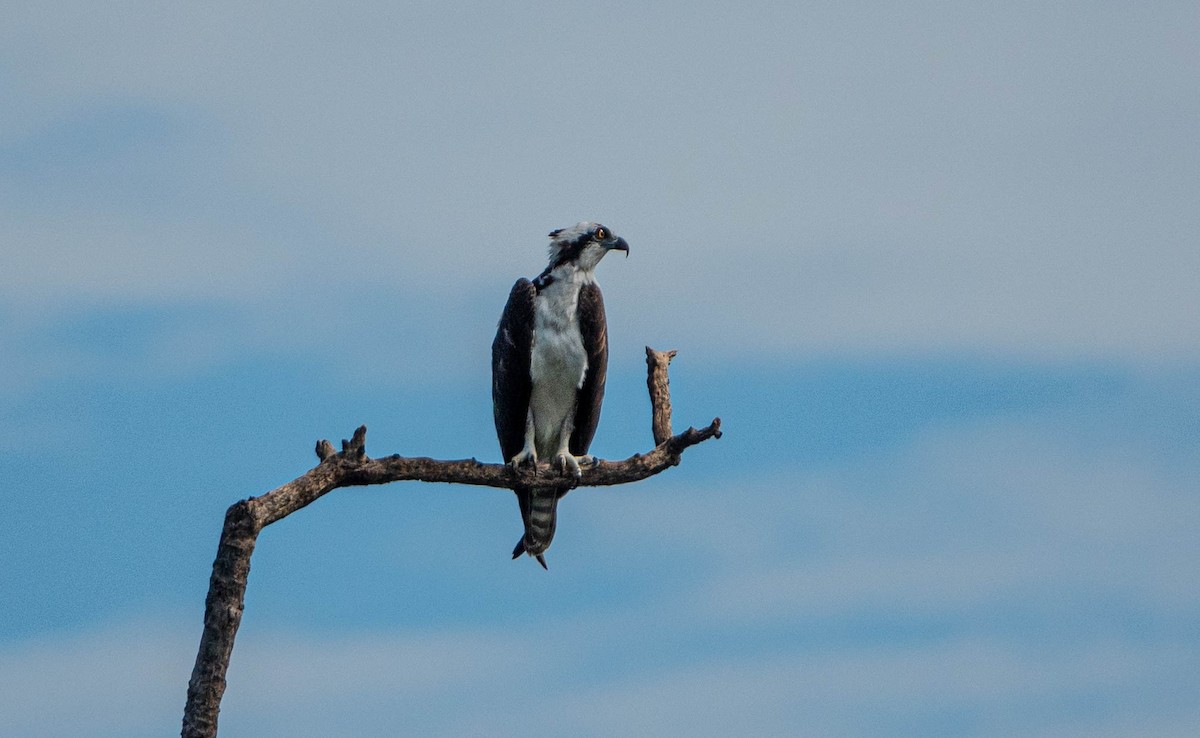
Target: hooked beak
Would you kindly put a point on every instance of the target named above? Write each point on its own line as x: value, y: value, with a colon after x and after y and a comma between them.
x: 619, y: 245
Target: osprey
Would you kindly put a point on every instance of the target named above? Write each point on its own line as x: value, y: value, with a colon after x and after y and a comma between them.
x: 549, y: 361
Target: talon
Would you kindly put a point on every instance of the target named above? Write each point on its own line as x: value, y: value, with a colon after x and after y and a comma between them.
x: 526, y: 457
x: 568, y: 463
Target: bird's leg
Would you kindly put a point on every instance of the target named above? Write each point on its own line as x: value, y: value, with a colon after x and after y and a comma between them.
x: 567, y: 461
x: 564, y: 458
x: 528, y: 454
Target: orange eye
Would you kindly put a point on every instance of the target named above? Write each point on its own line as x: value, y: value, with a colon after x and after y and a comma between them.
x: 601, y: 234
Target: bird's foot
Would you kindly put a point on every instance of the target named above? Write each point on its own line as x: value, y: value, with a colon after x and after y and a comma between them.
x: 568, y: 462
x: 527, y: 457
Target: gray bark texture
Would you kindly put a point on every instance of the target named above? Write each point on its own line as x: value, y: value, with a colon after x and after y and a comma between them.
x: 352, y: 467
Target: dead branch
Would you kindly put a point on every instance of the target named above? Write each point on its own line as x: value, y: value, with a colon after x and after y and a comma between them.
x: 352, y: 467
x: 659, y: 385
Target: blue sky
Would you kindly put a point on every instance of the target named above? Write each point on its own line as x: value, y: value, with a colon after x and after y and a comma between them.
x: 934, y: 266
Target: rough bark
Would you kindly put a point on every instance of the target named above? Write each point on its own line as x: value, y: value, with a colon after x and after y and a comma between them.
x: 659, y: 385
x: 352, y: 467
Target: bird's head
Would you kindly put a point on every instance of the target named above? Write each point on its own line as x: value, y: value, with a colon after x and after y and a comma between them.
x: 584, y: 244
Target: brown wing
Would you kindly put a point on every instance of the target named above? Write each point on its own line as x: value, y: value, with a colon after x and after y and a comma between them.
x: 594, y: 329
x: 511, y: 383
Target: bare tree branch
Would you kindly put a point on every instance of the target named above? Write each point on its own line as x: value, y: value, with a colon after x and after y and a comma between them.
x: 659, y: 385
x: 352, y: 467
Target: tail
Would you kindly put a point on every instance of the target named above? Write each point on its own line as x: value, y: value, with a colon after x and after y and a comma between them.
x: 539, y: 512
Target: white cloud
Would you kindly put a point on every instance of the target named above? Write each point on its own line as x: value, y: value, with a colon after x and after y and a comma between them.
x: 64, y: 263
x: 993, y: 578
x: 982, y: 180
x: 968, y: 519
x: 129, y: 679
x: 991, y: 684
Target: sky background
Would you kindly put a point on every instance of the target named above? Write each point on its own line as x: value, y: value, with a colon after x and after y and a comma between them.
x: 934, y: 265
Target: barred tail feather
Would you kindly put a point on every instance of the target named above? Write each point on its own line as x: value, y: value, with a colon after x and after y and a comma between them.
x: 539, y: 513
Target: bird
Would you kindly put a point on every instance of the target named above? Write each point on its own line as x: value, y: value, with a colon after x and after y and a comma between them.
x: 549, y: 365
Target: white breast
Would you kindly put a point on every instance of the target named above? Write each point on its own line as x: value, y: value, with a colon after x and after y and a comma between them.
x: 558, y: 364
